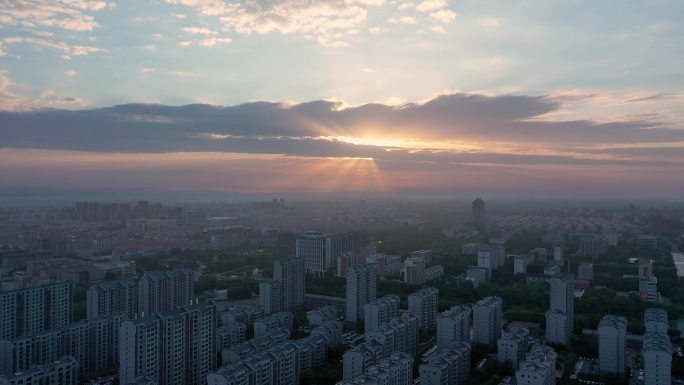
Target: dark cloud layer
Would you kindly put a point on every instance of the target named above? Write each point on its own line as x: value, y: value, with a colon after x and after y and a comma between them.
x: 306, y: 129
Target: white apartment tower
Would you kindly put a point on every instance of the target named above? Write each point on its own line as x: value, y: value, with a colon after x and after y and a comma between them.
x: 379, y: 312
x: 612, y: 332
x: 561, y: 314
x: 116, y: 297
x: 423, y: 304
x: 176, y: 347
x: 163, y: 291
x: 361, y: 289
x: 290, y: 273
x: 487, y: 321
x: 453, y: 325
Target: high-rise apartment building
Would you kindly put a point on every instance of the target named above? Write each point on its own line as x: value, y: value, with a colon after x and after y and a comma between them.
x: 561, y: 314
x: 423, y: 304
x: 657, y: 355
x: 271, y: 296
x: 512, y: 346
x: 656, y: 320
x: 453, y: 325
x: 487, y: 321
x: 320, y: 252
x: 361, y: 289
x: 63, y: 371
x: 539, y: 367
x: 116, y: 297
x: 176, y: 347
x: 414, y: 270
x: 163, y: 291
x: 478, y: 207
x: 380, y: 312
x: 593, y: 246
x: 34, y: 309
x: 359, y: 359
x: 400, y: 334
x: 290, y: 273
x: 491, y: 256
x: 612, y: 335
x: 450, y: 366
x: 93, y: 343
x: 397, y: 369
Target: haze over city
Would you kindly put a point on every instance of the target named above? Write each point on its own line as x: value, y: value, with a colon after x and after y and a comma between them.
x: 336, y: 97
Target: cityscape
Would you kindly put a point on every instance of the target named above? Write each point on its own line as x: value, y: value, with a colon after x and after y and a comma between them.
x: 433, y: 293
x: 341, y: 192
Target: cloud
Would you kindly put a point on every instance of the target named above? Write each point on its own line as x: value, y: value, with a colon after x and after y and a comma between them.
x: 182, y: 74
x: 199, y: 31
x: 488, y: 22
x: 72, y: 50
x: 653, y: 98
x: 445, y: 16
x: 70, y: 73
x: 507, y: 123
x: 431, y: 5
x: 209, y: 42
x: 70, y: 15
x: 402, y: 20
x: 146, y: 70
x: 152, y: 48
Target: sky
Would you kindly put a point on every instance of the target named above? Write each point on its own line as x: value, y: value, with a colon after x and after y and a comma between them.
x: 343, y: 96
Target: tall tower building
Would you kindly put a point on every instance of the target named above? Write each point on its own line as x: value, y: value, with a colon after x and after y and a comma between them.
x: 657, y: 353
x: 380, y: 312
x: 116, y: 297
x: 163, y: 291
x: 561, y: 314
x: 271, y: 296
x: 478, y: 210
x: 176, y: 347
x: 423, y: 304
x: 453, y: 325
x: 320, y: 252
x: 361, y: 289
x: 612, y: 333
x: 487, y: 321
x: 290, y: 273
x: 34, y: 309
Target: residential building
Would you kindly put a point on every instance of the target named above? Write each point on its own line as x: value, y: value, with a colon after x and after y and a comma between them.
x: 359, y: 359
x: 585, y: 271
x: 400, y: 334
x: 414, y: 270
x: 176, y: 347
x: 320, y: 252
x: 477, y: 275
x: 163, y: 291
x: 93, y: 343
x: 361, y: 289
x: 478, y: 207
x: 453, y: 325
x: 612, y: 332
x: 449, y: 366
x: 538, y: 368
x: 318, y: 317
x: 655, y: 320
x: 512, y: 346
x: 561, y: 314
x: 282, y: 320
x: 657, y: 358
x: 290, y: 273
x: 593, y: 246
x: 33, y: 309
x: 116, y: 297
x: 423, y: 304
x: 271, y: 296
x: 61, y: 372
x: 487, y: 321
x: 380, y: 312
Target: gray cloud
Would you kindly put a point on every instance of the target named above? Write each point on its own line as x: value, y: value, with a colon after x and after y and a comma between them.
x: 306, y: 129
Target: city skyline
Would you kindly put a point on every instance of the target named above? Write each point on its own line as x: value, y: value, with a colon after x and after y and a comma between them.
x: 337, y: 97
